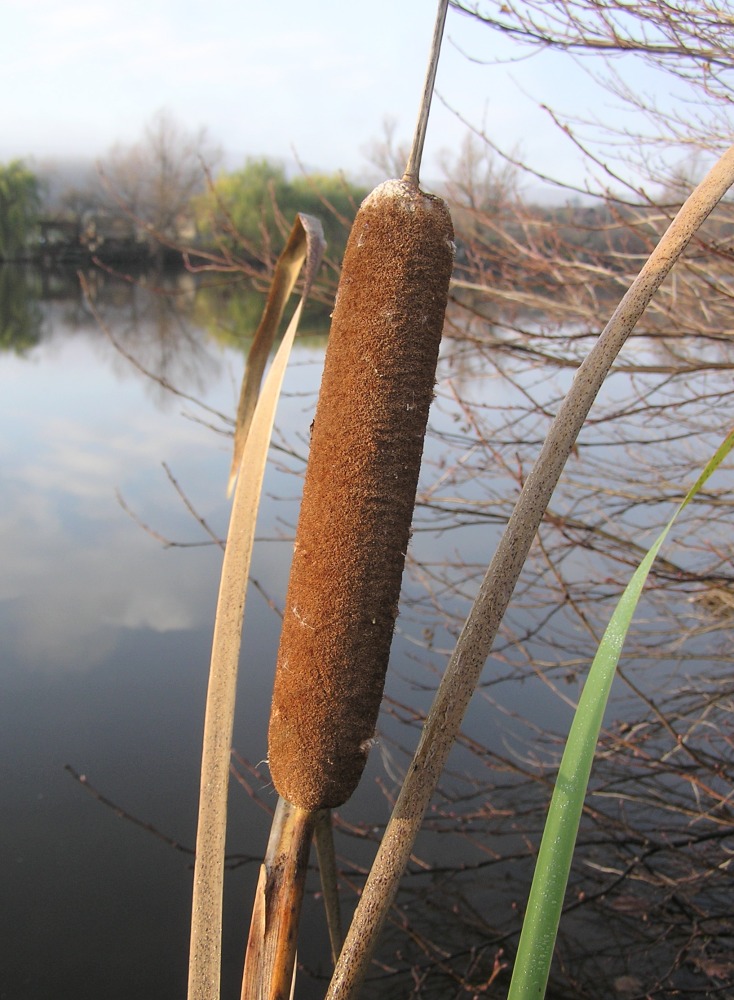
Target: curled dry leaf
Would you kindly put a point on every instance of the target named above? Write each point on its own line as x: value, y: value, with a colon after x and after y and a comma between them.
x: 305, y: 244
x: 304, y: 247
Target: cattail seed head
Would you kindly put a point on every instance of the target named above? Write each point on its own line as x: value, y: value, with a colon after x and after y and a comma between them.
x: 359, y: 493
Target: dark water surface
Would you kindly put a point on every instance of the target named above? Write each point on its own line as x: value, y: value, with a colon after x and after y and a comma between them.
x: 105, y: 634
x: 104, y: 648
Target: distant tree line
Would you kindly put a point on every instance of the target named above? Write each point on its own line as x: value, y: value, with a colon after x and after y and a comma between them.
x: 163, y: 200
x: 163, y: 196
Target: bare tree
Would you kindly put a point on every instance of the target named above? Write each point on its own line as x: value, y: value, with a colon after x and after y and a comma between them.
x: 387, y: 154
x: 683, y: 43
x: 156, y: 178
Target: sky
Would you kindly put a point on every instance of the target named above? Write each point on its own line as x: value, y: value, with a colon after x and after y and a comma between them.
x: 278, y: 78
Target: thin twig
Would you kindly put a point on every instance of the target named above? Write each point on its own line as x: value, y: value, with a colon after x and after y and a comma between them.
x: 124, y: 814
x: 233, y: 860
x: 324, y: 840
x: 191, y: 509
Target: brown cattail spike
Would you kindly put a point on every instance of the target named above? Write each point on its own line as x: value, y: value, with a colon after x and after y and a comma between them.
x: 359, y: 494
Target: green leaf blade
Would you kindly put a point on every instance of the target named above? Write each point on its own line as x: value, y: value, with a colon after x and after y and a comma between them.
x: 545, y: 903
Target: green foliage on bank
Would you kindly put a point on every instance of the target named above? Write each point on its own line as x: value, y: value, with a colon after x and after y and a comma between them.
x: 20, y: 203
x: 253, y: 208
x: 230, y: 313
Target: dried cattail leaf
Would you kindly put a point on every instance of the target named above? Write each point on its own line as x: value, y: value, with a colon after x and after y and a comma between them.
x: 304, y: 250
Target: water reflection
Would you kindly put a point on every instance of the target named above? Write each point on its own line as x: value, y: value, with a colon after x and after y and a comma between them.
x: 20, y: 311
x: 105, y: 635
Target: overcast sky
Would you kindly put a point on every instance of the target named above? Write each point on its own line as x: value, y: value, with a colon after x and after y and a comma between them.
x: 270, y: 77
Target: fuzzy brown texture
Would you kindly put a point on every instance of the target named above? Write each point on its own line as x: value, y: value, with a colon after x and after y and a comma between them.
x: 359, y: 494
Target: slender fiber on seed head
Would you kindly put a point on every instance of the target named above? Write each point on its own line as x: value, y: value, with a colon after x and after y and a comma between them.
x: 359, y: 494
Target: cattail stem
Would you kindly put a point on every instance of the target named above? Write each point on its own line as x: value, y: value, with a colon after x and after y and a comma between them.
x: 271, y: 944
x: 412, y: 169
x: 324, y: 840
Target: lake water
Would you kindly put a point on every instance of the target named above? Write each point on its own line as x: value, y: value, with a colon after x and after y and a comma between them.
x: 106, y: 629
x: 105, y: 643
